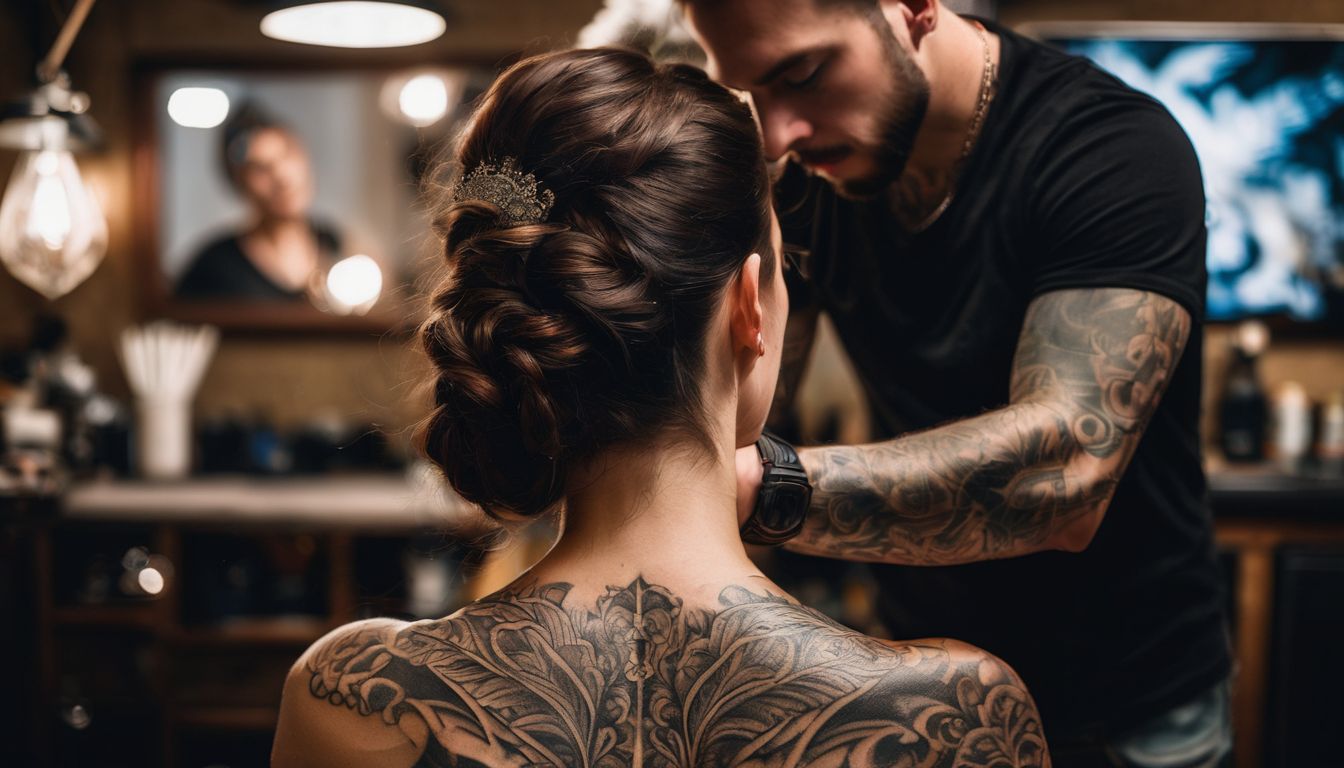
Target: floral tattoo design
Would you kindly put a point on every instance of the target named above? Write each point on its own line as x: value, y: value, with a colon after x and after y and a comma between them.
x: 519, y: 679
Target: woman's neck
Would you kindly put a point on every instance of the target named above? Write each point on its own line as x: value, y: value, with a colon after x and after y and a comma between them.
x: 284, y: 250
x: 667, y: 514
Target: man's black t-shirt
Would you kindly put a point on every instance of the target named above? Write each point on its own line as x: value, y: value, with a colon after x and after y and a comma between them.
x: 1076, y: 182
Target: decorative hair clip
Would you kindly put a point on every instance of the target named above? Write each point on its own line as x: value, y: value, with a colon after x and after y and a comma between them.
x: 515, y: 193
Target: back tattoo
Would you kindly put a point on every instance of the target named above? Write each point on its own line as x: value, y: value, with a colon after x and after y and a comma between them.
x: 518, y: 679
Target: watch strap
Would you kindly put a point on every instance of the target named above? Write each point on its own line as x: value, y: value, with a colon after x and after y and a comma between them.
x: 783, y: 498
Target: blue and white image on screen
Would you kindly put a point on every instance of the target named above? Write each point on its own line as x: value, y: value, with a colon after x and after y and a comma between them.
x: 1266, y: 118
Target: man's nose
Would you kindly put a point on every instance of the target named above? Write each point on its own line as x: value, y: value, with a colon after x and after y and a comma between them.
x: 781, y: 129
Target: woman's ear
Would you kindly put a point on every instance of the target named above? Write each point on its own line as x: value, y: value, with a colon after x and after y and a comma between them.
x: 745, y: 313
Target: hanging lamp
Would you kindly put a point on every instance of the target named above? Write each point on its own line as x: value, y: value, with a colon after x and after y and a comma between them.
x: 52, y: 231
x: 355, y: 23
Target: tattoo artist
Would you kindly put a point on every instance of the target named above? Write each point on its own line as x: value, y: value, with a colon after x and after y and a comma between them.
x: 1011, y: 245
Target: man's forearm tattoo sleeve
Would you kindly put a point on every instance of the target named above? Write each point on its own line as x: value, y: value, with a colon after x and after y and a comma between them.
x: 1089, y: 370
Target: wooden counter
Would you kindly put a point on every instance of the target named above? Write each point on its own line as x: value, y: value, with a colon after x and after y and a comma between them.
x: 1260, y: 514
x: 372, y: 501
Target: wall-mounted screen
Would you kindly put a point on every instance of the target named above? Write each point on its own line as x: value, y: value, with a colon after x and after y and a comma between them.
x: 1264, y: 107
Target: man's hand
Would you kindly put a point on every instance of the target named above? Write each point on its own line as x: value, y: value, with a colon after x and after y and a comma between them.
x: 749, y: 474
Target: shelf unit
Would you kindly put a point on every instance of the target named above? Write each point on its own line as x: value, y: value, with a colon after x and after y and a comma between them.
x: 1263, y: 520
x: 192, y: 676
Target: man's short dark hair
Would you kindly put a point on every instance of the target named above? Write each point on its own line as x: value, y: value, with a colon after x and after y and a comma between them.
x: 870, y: 9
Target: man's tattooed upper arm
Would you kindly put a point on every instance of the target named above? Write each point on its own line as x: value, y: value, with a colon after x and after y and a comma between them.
x: 1090, y: 368
x: 1104, y: 355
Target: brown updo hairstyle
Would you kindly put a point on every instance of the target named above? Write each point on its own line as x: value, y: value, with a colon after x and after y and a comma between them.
x: 554, y: 341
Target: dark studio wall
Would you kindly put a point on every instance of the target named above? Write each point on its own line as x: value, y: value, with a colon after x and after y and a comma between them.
x: 366, y: 377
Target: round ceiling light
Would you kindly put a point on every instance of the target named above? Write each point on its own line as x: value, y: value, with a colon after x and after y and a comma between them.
x: 423, y: 100
x: 198, y: 107
x: 354, y: 24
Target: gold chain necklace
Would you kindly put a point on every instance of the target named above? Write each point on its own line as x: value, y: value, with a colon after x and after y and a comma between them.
x: 988, y: 78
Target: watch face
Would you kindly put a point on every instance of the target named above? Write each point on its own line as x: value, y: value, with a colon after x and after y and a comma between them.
x: 784, y: 505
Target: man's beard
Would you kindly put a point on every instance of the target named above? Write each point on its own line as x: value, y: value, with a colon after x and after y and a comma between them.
x: 902, y: 113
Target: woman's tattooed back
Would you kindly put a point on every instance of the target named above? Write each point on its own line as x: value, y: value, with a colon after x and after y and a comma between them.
x: 521, y: 679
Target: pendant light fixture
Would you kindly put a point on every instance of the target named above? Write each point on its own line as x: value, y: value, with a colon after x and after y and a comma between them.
x: 355, y: 23
x: 52, y: 231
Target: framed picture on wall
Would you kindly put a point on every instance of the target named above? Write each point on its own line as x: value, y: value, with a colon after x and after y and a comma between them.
x: 292, y: 198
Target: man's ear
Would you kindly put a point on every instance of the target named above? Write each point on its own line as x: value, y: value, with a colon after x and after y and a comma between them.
x: 745, y: 313
x: 918, y: 17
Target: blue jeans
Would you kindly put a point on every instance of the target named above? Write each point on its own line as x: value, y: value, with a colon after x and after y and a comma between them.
x: 1197, y: 734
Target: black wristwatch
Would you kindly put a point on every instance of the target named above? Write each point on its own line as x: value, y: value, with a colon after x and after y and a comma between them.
x: 781, y: 504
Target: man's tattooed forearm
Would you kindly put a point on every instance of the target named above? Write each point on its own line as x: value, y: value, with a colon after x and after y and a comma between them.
x: 522, y: 680
x: 991, y: 486
x: 1090, y: 368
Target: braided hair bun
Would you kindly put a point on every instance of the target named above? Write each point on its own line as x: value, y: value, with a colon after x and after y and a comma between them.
x: 561, y: 333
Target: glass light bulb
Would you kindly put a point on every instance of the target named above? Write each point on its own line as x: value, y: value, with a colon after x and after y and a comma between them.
x: 52, y: 231
x: 353, y: 285
x: 49, y: 216
x: 198, y: 107
x: 150, y: 580
x: 423, y: 99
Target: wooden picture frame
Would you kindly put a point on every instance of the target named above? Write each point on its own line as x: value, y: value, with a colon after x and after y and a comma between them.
x: 398, y: 309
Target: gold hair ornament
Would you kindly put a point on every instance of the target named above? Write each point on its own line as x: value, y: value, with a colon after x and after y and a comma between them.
x: 515, y: 193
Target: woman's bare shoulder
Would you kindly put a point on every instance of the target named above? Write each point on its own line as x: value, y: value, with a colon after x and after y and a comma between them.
x: 324, y: 714
x: 874, y: 701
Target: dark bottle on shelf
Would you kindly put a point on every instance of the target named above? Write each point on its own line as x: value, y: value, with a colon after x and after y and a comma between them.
x: 1244, y: 413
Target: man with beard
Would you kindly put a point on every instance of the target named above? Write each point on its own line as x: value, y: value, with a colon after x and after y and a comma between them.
x: 1011, y: 245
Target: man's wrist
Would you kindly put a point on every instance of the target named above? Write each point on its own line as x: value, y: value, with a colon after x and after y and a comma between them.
x: 783, y: 496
